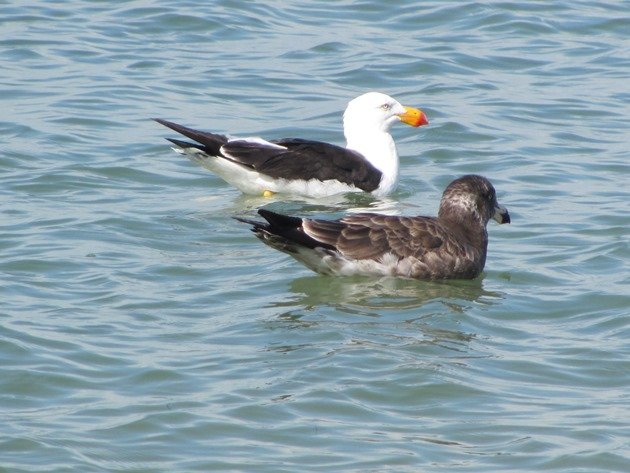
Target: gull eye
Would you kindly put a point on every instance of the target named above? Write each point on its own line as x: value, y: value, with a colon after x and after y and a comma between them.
x: 386, y: 106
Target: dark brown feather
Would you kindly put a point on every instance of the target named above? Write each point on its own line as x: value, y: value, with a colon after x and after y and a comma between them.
x: 452, y: 245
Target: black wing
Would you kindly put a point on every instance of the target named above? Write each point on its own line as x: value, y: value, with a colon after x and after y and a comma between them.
x: 290, y: 158
x: 210, y: 142
x: 305, y: 159
x: 284, y: 232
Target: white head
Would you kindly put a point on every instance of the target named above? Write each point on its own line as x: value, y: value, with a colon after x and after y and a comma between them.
x: 375, y: 111
x: 366, y: 124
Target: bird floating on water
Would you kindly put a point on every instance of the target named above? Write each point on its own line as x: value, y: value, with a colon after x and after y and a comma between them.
x: 452, y: 245
x: 368, y: 163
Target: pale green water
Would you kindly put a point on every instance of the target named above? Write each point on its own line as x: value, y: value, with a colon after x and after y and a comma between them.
x: 142, y: 329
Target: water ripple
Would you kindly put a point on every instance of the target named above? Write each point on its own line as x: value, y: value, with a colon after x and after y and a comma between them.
x: 143, y: 329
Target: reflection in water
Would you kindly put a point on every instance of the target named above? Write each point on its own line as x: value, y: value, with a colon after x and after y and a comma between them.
x: 327, y: 207
x: 386, y: 293
x: 387, y: 313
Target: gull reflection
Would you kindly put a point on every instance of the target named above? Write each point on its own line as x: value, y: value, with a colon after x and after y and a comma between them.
x: 416, y: 317
x: 387, y: 293
x: 331, y: 206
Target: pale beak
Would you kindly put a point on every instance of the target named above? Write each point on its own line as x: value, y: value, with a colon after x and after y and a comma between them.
x: 501, y: 214
x: 413, y: 117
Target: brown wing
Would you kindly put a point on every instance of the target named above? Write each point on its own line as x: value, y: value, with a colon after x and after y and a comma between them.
x: 370, y: 236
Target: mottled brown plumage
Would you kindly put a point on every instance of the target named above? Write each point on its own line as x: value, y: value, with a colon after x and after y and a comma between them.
x: 451, y: 245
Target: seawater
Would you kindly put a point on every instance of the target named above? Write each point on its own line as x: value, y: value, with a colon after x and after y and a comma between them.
x: 143, y: 329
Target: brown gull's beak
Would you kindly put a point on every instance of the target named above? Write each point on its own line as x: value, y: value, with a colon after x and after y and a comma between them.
x: 501, y: 214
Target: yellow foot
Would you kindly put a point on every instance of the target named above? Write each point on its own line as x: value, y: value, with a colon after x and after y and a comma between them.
x: 268, y: 193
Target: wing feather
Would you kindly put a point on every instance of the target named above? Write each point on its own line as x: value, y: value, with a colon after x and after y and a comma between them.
x: 371, y: 236
x: 211, y: 142
x: 291, y: 158
x: 305, y: 159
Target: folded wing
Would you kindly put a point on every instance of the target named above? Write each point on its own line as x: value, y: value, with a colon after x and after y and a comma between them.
x: 304, y: 159
x: 370, y: 236
x: 290, y: 159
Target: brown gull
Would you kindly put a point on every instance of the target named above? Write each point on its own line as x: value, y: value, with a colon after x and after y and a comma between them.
x: 452, y: 245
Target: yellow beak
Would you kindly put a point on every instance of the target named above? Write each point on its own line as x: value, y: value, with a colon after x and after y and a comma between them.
x: 413, y: 117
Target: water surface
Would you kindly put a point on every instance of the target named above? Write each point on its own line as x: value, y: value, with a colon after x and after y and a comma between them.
x: 143, y: 329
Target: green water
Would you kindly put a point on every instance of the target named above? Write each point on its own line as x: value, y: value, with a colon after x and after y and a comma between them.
x: 142, y: 329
